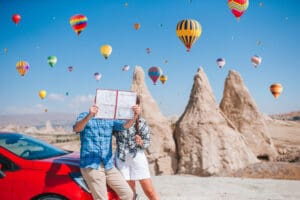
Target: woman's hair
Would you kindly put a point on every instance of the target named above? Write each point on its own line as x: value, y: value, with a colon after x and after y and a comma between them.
x: 138, y: 99
x: 136, y: 126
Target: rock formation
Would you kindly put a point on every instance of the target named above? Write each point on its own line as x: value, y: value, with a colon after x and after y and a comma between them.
x: 238, y: 105
x: 162, y: 151
x: 207, y: 142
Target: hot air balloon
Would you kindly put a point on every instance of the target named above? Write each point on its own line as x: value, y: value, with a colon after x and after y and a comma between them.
x: 137, y: 26
x: 221, y: 62
x: 163, y: 78
x: 97, y: 76
x: 45, y: 110
x: 276, y: 89
x: 22, y: 67
x: 256, y: 60
x: 238, y: 7
x: 148, y: 50
x: 5, y: 50
x: 154, y: 73
x: 70, y: 68
x: 125, y: 68
x: 78, y: 23
x: 52, y: 60
x: 106, y: 50
x: 258, y: 42
x: 16, y: 18
x: 188, y: 31
x: 42, y: 94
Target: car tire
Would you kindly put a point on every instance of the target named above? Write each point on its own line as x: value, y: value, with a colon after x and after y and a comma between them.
x: 51, y: 197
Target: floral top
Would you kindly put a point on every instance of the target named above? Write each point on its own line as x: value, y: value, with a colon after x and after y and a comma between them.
x: 126, y: 139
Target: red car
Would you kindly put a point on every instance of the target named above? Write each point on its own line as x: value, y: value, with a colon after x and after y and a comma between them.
x: 31, y: 169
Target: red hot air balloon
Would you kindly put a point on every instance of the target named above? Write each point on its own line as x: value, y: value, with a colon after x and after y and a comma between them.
x: 16, y: 18
x: 78, y: 23
x: 137, y: 26
x: 238, y: 7
x: 154, y: 73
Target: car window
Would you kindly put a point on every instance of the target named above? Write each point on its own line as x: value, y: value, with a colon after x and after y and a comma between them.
x: 28, y: 147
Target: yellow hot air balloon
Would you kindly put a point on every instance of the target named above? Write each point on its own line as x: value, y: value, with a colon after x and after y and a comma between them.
x: 106, y: 50
x: 276, y: 89
x: 163, y: 78
x: 42, y: 94
x: 188, y: 31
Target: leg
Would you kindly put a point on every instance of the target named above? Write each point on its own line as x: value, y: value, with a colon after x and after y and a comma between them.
x: 149, y: 189
x: 116, y: 181
x: 95, y: 179
x: 132, y: 185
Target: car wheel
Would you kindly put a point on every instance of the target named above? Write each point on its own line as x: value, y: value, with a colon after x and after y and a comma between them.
x: 51, y: 197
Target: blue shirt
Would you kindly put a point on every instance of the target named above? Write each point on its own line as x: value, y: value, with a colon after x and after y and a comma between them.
x: 96, y: 141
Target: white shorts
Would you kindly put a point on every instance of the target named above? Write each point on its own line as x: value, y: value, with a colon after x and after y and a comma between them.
x: 134, y: 168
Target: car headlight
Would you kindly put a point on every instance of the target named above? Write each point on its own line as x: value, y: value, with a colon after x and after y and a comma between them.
x: 77, y: 177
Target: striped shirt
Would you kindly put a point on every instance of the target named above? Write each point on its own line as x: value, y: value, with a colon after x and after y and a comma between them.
x: 96, y: 142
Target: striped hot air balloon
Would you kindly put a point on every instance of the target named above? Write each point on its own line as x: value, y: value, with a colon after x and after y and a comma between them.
x: 154, y: 73
x: 78, y: 23
x: 238, y: 7
x: 22, y: 67
x: 276, y: 89
x: 188, y: 31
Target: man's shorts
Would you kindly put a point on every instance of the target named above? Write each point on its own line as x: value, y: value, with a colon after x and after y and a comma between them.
x: 134, y: 168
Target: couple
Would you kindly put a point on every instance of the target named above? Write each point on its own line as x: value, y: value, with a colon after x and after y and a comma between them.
x: 96, y: 160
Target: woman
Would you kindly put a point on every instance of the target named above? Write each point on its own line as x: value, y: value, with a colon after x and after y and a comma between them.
x: 131, y: 159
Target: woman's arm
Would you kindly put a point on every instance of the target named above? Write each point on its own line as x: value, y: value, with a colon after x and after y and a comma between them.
x: 143, y: 140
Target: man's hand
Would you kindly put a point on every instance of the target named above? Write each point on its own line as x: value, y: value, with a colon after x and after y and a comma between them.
x: 93, y: 110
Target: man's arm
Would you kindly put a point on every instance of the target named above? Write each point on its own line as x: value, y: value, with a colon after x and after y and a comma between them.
x: 79, y: 126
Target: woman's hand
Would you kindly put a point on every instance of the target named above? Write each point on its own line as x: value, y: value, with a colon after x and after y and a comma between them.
x: 139, y: 140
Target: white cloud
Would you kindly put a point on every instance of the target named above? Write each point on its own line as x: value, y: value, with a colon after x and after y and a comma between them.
x: 56, y: 97
x: 81, y: 103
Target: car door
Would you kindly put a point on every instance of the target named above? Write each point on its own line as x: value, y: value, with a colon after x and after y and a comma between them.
x: 6, y: 178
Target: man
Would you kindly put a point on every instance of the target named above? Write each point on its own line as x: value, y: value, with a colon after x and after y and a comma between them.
x: 96, y: 162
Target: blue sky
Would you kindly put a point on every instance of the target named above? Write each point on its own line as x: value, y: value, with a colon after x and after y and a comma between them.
x: 44, y: 30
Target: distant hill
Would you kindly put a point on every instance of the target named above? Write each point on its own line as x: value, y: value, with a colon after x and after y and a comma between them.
x: 68, y: 119
x: 39, y: 120
x: 291, y: 116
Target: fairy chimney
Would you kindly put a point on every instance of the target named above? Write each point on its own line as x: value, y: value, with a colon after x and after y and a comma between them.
x: 238, y: 105
x: 162, y: 151
x: 207, y: 142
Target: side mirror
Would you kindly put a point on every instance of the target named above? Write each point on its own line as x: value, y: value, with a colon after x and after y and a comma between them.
x: 2, y: 174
